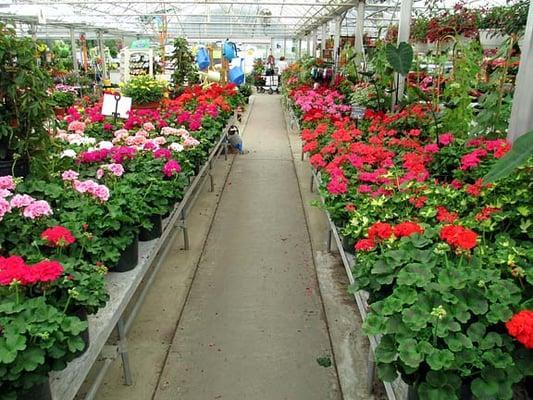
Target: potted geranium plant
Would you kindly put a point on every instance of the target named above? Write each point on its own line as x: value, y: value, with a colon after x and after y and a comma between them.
x: 145, y: 91
x: 62, y: 98
x: 37, y: 337
x: 24, y: 103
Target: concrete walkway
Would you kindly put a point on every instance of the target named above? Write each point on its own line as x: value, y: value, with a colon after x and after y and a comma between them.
x: 253, y: 324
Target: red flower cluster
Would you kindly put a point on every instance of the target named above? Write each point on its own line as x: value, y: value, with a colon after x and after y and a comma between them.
x: 14, y: 269
x: 459, y: 236
x: 520, y: 326
x: 443, y: 215
x: 58, y: 236
x: 486, y: 213
x: 380, y: 230
x: 365, y: 245
x: 407, y: 229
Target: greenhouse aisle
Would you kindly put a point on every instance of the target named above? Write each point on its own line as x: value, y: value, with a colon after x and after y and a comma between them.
x: 253, y: 325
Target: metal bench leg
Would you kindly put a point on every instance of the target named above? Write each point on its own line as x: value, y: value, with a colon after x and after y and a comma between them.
x: 123, y: 350
x: 371, y: 365
x: 211, y: 179
x: 186, y: 244
x: 330, y: 238
x: 226, y: 150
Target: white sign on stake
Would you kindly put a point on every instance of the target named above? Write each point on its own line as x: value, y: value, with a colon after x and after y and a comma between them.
x: 110, y: 105
x: 358, y: 112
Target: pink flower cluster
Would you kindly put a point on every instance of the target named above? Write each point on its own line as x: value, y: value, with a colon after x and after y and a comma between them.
x: 100, y: 192
x: 114, y: 169
x: 322, y: 99
x: 30, y: 207
x: 76, y: 126
x: 171, y: 167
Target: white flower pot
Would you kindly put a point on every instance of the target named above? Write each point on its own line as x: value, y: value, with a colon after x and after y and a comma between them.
x: 491, y: 40
x: 420, y: 47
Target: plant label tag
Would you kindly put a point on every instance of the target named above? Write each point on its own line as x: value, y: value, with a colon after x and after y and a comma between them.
x: 358, y: 112
x: 110, y: 105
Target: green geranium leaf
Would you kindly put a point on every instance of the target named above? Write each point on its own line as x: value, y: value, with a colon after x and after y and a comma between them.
x: 490, y: 341
x: 428, y: 392
x: 458, y: 341
x: 386, y: 351
x: 409, y: 353
x: 483, y: 389
x: 499, y: 312
x: 30, y: 359
x: 440, y: 359
x: 387, y: 372
x: 498, y: 358
x: 415, y: 274
x: 374, y: 324
x: 415, y: 318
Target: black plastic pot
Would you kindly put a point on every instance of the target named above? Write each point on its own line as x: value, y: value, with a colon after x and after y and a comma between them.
x: 145, y: 235
x: 348, y: 244
x: 21, y: 169
x: 81, y: 313
x: 129, y: 257
x: 40, y: 391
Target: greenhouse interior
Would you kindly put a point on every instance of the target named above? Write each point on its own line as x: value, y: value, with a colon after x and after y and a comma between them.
x: 266, y: 200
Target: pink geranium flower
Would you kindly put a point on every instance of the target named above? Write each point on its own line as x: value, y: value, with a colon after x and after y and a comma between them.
x: 37, y: 209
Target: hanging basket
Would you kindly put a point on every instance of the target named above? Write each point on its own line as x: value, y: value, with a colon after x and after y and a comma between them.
x: 490, y: 39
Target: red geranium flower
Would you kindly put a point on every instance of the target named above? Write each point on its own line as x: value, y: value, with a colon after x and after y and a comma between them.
x: 520, y: 326
x: 365, y: 245
x: 58, y: 236
x: 46, y: 271
x: 407, y: 229
x: 380, y: 230
x: 444, y: 215
x: 459, y: 236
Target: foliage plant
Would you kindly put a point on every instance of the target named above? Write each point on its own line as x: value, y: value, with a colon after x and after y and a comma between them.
x: 419, y: 29
x: 61, y: 99
x: 144, y: 89
x: 458, y: 114
x: 509, y: 19
x: 24, y: 101
x: 185, y: 69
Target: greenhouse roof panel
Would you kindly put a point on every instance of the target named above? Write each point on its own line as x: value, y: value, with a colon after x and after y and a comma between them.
x: 194, y: 19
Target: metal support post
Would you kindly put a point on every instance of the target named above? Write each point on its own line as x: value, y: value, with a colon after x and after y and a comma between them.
x: 330, y: 239
x: 123, y: 351
x: 102, y: 54
x: 311, y: 184
x: 313, y: 44
x: 324, y: 37
x: 337, y: 40
x: 308, y: 44
x: 403, y: 36
x: 74, y: 51
x: 521, y: 115
x: 359, y: 27
x: 284, y: 46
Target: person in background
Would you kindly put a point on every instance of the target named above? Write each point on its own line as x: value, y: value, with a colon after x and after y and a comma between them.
x: 282, y: 65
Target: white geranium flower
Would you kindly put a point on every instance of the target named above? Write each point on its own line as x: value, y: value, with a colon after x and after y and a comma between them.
x: 176, y: 147
x: 68, y: 153
x: 104, y: 144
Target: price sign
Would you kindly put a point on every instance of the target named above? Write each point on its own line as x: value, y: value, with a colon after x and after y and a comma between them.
x: 358, y: 112
x: 118, y: 107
